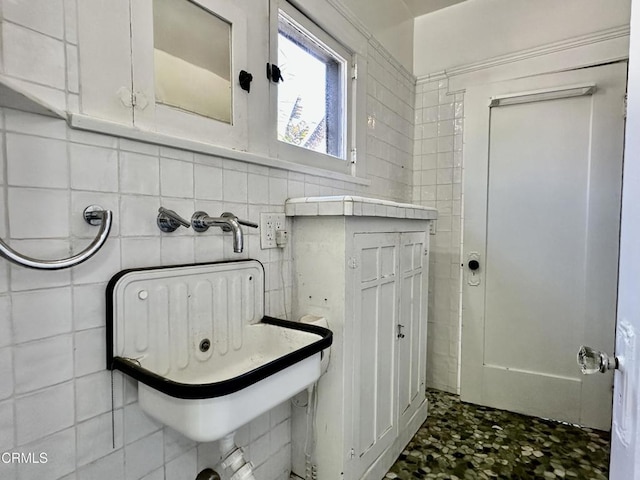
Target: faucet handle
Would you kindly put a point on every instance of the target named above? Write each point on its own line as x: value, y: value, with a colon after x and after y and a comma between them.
x: 247, y: 223
x: 169, y: 221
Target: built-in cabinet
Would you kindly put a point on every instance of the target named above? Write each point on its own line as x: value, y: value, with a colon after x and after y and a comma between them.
x: 363, y: 265
x: 173, y: 67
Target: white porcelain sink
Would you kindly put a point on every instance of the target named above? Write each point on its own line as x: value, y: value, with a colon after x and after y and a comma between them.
x: 206, y: 359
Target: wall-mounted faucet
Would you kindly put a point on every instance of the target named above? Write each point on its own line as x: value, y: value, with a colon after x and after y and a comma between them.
x: 169, y: 221
x: 201, y: 222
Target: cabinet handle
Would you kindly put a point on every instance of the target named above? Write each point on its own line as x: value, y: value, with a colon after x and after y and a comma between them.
x: 400, y: 334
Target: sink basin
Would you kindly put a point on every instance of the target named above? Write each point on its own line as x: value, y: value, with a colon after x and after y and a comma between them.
x: 206, y: 358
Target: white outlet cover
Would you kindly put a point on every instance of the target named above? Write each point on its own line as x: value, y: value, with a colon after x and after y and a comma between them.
x: 269, y: 224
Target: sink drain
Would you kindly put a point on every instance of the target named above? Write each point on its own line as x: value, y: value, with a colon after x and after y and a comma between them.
x: 205, y: 345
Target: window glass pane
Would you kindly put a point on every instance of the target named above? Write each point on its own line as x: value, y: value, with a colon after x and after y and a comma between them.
x: 192, y: 59
x: 310, y: 98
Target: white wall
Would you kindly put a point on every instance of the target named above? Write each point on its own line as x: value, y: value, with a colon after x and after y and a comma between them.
x: 437, y: 180
x: 55, y: 394
x: 475, y: 30
x: 391, y: 23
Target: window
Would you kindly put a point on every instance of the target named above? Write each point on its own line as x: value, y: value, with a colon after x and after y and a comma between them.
x: 313, y: 98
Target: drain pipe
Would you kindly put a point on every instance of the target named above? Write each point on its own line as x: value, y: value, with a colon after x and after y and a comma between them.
x: 208, y: 474
x: 233, y: 459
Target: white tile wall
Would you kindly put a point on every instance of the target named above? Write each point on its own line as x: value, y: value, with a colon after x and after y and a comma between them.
x: 139, y: 173
x: 44, y: 16
x: 176, y: 178
x: 144, y: 456
x: 46, y: 65
x: 6, y: 332
x: 44, y: 412
x: 105, y: 468
x: 55, y: 394
x: 52, y: 221
x: 183, y: 466
x: 27, y: 154
x: 43, y: 363
x: 439, y: 118
x: 60, y: 449
x: 41, y: 313
x: 6, y: 373
x: 95, y: 437
x: 93, y: 168
x: 6, y: 426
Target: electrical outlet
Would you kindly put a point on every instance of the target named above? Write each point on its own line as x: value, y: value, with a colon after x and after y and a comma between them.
x: 270, y: 223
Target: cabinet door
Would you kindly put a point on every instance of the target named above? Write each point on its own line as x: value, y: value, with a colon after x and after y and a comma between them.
x: 104, y: 36
x: 412, y: 329
x: 375, y: 282
x: 186, y: 56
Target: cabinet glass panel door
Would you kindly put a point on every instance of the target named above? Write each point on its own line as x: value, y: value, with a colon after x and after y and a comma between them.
x: 192, y: 59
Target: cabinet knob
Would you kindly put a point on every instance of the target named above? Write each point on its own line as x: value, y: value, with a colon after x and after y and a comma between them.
x: 474, y: 265
x: 400, y: 334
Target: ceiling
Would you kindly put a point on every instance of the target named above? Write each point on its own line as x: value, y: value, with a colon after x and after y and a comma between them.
x: 420, y: 7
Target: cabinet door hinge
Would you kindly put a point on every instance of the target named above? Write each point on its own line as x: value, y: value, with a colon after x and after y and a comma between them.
x: 352, y: 453
x: 354, y: 155
x: 624, y: 105
x: 139, y: 100
x: 354, y: 71
x: 353, y: 262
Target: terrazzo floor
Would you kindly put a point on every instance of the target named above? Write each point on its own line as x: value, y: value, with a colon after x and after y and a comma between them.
x: 461, y: 441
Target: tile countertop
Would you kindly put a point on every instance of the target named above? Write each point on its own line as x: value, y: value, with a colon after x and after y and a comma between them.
x: 356, y: 206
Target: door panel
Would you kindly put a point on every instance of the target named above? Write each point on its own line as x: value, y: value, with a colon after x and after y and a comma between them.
x: 376, y: 286
x: 542, y: 205
x: 536, y: 223
x: 412, y: 317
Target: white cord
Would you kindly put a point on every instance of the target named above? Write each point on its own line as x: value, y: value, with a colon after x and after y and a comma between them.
x: 284, y: 288
x: 311, y: 472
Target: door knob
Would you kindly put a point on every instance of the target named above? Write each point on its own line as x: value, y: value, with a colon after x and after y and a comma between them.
x: 594, y: 361
x: 474, y: 264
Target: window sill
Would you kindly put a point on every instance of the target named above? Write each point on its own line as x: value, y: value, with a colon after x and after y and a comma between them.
x: 92, y: 124
x: 15, y: 97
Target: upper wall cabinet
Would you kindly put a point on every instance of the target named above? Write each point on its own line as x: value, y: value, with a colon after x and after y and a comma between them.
x: 168, y: 66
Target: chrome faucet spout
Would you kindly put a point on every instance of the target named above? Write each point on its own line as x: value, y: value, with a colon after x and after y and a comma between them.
x: 201, y: 222
x: 238, y: 234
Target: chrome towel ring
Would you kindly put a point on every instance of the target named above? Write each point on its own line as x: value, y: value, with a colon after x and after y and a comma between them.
x: 93, y: 215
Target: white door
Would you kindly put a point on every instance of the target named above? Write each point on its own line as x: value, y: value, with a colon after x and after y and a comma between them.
x: 543, y: 172
x: 625, y: 439
x: 374, y: 388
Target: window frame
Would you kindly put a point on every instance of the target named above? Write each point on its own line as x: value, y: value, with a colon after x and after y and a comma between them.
x: 350, y: 165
